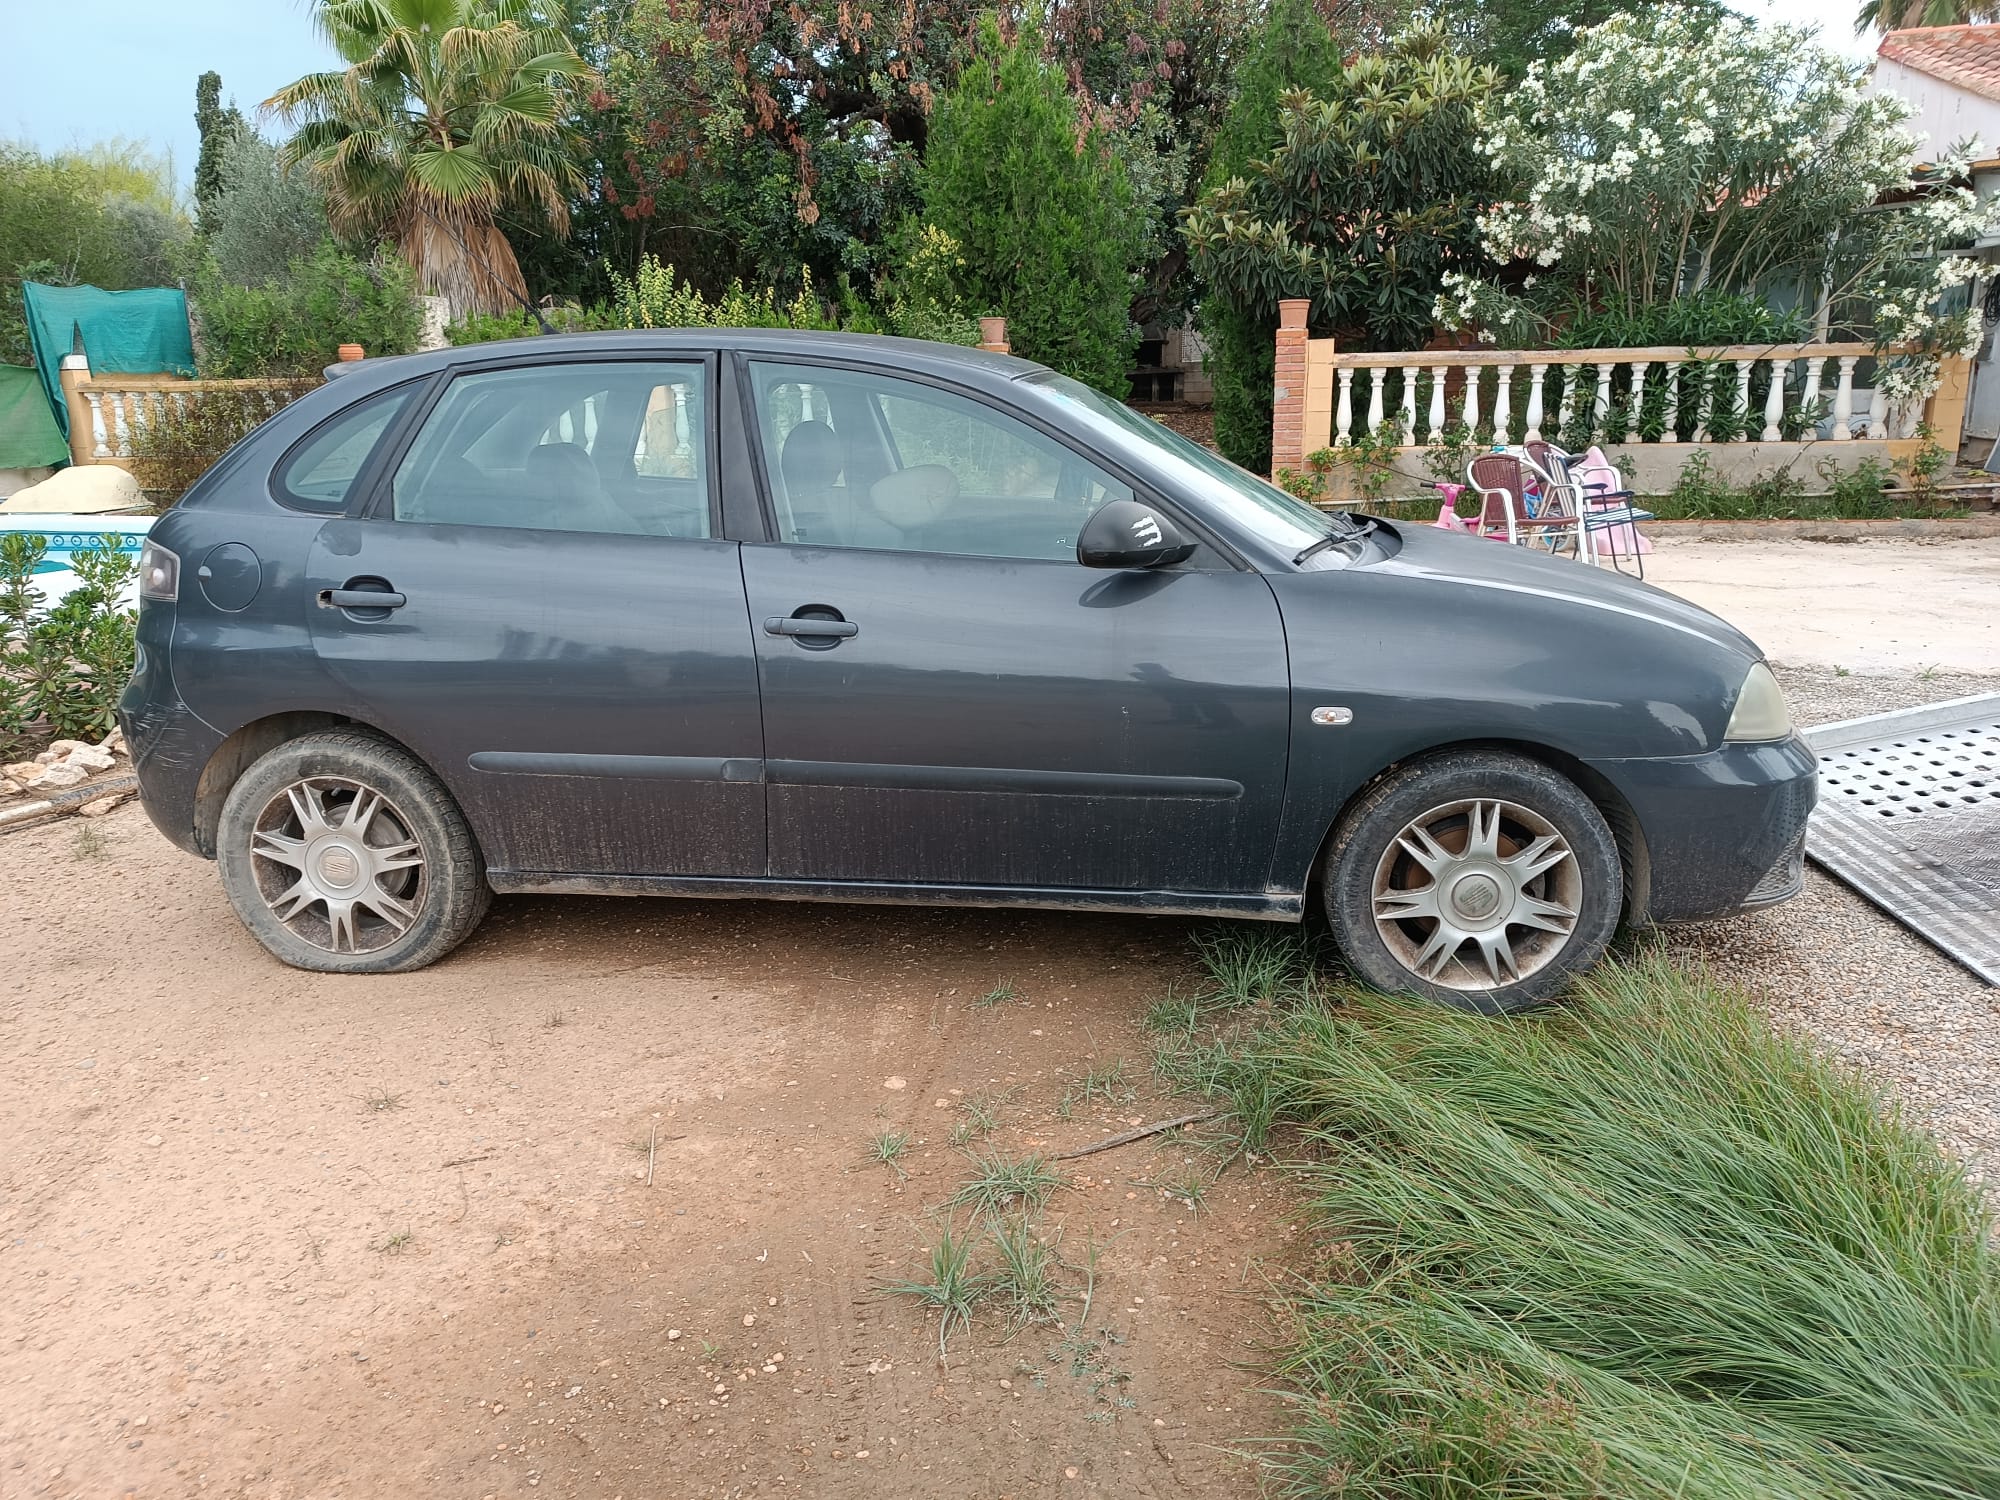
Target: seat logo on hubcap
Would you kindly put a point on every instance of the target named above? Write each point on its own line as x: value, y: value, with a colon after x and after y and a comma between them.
x: 1476, y: 896
x: 339, y: 866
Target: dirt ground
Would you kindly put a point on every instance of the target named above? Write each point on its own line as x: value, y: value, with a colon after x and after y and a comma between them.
x: 1878, y: 607
x: 283, y: 1235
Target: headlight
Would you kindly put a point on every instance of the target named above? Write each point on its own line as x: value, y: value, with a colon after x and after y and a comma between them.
x: 159, y: 573
x: 1760, y: 709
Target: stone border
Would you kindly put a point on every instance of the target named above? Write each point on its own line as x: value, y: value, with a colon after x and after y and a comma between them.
x: 1963, y: 528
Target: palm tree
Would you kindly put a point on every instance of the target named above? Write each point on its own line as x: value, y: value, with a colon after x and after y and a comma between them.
x: 448, y: 112
x: 1901, y: 15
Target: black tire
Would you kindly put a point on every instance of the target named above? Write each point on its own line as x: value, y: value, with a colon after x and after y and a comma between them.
x: 399, y: 918
x: 1522, y: 801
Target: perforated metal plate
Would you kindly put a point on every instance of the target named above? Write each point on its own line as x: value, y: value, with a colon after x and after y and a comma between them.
x: 1909, y: 815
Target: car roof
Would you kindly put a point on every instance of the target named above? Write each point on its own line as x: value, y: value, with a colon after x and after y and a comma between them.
x: 975, y: 367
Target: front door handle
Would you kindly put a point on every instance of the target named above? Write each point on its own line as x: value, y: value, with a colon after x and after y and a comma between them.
x: 810, y: 626
x: 362, y: 599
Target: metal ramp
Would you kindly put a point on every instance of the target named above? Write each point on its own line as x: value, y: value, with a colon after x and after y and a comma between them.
x: 1909, y: 816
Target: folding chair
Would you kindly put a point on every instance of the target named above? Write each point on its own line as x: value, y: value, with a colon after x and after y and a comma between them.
x: 1520, y: 512
x: 1610, y: 516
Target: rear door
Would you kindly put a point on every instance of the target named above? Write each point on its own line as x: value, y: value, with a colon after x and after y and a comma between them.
x: 558, y: 633
x: 950, y: 698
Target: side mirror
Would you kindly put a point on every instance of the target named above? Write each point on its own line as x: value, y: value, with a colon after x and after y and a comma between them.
x: 1126, y: 534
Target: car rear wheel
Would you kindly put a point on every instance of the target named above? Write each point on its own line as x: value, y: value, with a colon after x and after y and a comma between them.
x: 1478, y: 879
x: 342, y: 853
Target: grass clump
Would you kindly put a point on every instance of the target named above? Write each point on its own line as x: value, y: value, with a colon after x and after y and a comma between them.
x: 1100, y: 1082
x: 1002, y: 993
x: 953, y: 1288
x: 888, y: 1148
x: 1643, y: 1245
x: 978, y: 1116
x: 999, y: 1183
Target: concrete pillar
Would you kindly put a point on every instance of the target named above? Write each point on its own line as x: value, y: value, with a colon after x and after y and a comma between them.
x: 1288, y: 389
x: 71, y: 375
x: 1947, y: 403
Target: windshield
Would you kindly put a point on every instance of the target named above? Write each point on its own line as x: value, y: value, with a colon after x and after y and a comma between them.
x: 1262, y: 508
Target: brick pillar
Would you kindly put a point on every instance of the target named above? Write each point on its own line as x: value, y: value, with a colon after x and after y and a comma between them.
x: 1288, y: 389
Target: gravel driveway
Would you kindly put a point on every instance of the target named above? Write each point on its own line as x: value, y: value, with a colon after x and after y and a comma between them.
x: 1834, y: 966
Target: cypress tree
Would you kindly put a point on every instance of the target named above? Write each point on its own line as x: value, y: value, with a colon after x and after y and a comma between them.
x: 218, y: 126
x: 1041, y: 208
x: 1294, y: 49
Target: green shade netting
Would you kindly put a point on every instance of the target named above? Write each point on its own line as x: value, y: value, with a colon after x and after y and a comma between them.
x: 124, y: 333
x: 29, y: 437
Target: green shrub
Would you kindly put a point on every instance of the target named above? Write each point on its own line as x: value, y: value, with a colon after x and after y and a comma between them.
x: 264, y: 218
x: 1291, y: 49
x: 1041, y: 209
x: 99, y: 216
x: 63, y: 668
x: 487, y: 328
x: 921, y: 294
x: 1642, y: 1246
x: 1364, y: 204
x: 189, y: 432
x: 295, y: 325
x: 656, y: 298
x: 1699, y: 320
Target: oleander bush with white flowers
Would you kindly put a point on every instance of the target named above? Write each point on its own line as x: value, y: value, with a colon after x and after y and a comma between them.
x: 1672, y: 155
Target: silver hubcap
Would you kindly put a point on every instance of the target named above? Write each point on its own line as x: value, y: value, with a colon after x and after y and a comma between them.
x: 1477, y: 894
x: 336, y: 863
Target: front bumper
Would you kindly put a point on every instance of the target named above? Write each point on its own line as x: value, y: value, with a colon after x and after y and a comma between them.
x: 1722, y: 832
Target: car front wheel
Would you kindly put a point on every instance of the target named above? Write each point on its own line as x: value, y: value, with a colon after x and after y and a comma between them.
x: 342, y: 853
x: 1478, y: 879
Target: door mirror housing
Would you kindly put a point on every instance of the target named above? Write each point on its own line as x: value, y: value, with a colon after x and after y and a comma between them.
x: 1128, y: 534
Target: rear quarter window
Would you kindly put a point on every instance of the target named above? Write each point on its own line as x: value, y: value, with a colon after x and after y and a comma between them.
x: 319, y: 473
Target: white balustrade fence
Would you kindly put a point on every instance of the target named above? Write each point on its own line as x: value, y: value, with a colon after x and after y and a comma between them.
x: 116, y: 410
x: 1786, y: 393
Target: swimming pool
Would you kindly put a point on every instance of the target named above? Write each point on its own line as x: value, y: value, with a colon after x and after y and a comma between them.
x: 69, y: 534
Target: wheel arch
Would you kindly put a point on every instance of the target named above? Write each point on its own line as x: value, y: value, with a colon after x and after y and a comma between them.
x: 1633, y: 858
x: 250, y: 743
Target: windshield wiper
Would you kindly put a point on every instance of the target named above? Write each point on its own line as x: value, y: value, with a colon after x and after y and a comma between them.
x: 1350, y: 530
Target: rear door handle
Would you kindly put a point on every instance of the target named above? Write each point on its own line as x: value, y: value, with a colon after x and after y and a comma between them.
x: 361, y: 599
x: 808, y: 626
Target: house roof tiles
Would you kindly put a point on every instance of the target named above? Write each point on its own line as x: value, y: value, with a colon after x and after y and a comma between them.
x: 1968, y: 57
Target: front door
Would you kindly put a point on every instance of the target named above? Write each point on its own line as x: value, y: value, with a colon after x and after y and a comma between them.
x: 559, y: 636
x: 950, y: 698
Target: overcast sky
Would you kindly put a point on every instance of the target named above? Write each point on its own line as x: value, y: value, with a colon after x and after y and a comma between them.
x: 91, y: 69
x: 81, y: 72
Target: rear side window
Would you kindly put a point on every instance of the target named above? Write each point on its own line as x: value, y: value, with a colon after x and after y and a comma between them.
x: 320, y: 474
x: 618, y: 447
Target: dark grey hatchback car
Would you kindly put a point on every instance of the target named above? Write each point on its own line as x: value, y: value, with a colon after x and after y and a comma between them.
x: 808, y: 616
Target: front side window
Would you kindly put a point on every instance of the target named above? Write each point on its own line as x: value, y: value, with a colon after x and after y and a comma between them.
x: 859, y: 459
x: 619, y: 448
x: 320, y: 473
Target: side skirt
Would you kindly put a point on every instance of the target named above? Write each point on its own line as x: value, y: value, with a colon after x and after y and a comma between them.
x: 1275, y: 906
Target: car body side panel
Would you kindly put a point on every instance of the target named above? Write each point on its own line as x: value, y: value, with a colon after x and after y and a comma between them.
x: 590, y: 700
x: 1032, y: 723
x: 234, y: 665
x: 1423, y: 654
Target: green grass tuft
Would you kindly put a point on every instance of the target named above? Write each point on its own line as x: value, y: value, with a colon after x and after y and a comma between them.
x: 888, y: 1148
x: 999, y: 1183
x: 1642, y: 1245
x: 1027, y: 1281
x: 953, y: 1289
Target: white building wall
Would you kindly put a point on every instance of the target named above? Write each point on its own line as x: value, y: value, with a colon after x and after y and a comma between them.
x: 1945, y: 113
